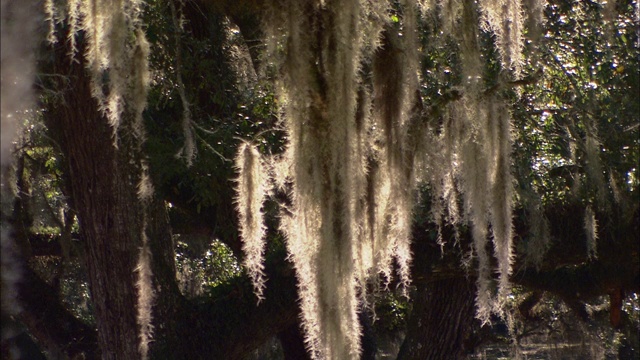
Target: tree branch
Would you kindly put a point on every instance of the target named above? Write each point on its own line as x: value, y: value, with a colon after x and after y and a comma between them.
x: 54, y: 327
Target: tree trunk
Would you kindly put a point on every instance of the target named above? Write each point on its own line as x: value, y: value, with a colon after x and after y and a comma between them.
x: 441, y: 320
x: 104, y: 183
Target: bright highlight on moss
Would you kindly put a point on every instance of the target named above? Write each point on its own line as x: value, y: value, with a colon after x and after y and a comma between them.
x: 252, y: 191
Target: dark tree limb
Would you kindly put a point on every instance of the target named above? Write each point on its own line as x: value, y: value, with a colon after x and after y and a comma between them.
x: 54, y: 327
x: 230, y: 323
x: 566, y: 272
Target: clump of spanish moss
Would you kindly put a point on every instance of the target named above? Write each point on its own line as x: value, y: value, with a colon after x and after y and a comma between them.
x: 594, y: 167
x: 137, y: 101
x: 107, y: 26
x: 326, y: 160
x: 476, y: 155
x: 145, y: 295
x: 252, y: 190
x: 188, y: 150
x: 356, y: 152
x: 505, y: 19
x: 538, y: 242
x: 591, y: 230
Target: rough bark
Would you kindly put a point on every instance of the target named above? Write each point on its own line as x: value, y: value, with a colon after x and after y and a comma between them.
x: 441, y: 320
x: 103, y: 182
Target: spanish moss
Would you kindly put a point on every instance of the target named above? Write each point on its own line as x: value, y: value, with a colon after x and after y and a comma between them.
x: 252, y: 190
x: 356, y: 152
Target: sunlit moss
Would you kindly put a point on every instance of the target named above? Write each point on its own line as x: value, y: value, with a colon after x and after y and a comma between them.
x: 353, y: 173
